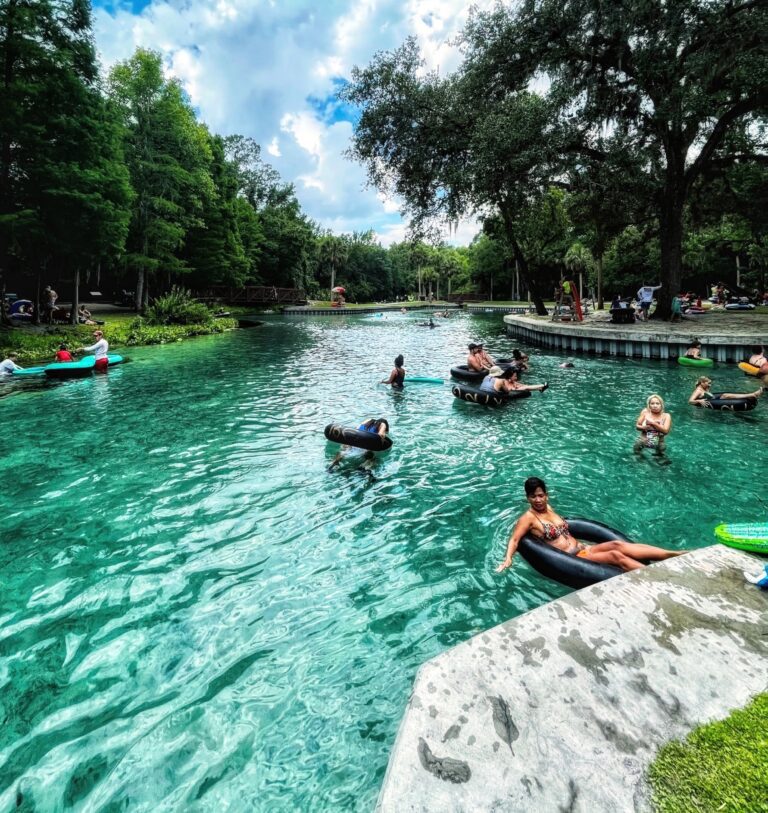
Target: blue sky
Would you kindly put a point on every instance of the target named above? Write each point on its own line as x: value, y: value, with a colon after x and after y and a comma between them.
x: 270, y: 69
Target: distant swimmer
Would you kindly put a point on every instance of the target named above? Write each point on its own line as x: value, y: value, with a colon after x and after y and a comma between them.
x: 396, y: 378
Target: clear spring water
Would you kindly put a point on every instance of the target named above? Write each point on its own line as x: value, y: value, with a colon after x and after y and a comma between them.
x: 196, y: 615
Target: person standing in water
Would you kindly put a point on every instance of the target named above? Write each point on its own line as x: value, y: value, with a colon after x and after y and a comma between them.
x: 654, y: 424
x: 100, y: 349
x: 541, y: 522
x: 397, y: 377
x: 8, y: 364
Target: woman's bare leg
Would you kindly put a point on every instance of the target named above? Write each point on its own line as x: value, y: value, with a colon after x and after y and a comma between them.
x: 635, y: 550
x: 613, y: 557
x: 731, y: 395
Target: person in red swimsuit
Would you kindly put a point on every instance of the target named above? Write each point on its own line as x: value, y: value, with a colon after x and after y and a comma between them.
x: 543, y: 523
x: 63, y: 354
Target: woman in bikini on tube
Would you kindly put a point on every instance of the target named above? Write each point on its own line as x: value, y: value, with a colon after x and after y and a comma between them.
x: 545, y: 525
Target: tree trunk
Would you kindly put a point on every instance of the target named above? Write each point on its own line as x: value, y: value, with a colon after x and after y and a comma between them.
x: 671, y: 230
x: 525, y: 276
x: 75, y: 299
x: 671, y: 234
x: 600, y: 303
x: 491, y: 281
x: 139, y: 293
x: 145, y: 302
x: 522, y: 264
x: 36, y: 315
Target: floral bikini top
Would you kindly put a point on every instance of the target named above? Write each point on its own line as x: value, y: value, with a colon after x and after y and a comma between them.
x: 552, y: 531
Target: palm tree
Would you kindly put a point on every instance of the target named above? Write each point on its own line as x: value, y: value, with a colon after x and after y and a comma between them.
x: 333, y: 252
x: 579, y: 260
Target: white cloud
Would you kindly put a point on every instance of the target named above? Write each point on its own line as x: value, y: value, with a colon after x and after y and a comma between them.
x: 258, y: 67
x: 274, y: 148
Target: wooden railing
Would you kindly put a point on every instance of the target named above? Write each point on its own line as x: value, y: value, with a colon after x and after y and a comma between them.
x: 252, y: 295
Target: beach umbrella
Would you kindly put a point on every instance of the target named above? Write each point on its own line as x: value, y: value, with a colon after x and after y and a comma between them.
x: 339, y: 290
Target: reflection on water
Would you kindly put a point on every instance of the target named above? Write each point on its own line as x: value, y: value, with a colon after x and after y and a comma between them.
x: 197, y: 615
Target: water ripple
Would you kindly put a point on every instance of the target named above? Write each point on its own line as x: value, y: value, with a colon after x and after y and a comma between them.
x: 198, y: 615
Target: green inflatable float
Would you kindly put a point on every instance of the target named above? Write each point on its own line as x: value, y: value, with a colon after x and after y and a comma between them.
x: 689, y: 362
x: 751, y: 536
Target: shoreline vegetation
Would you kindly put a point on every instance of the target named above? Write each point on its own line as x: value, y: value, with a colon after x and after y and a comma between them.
x: 36, y: 344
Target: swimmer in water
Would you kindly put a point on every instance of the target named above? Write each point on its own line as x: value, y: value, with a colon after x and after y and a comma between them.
x: 541, y: 522
x: 396, y: 378
x: 702, y: 395
x: 654, y: 425
x: 376, y: 426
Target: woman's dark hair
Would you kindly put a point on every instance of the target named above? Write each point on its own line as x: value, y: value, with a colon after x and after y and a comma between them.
x: 399, y: 361
x: 63, y: 347
x: 509, y: 371
x: 532, y: 483
x: 756, y: 348
x: 381, y: 421
x: 695, y: 343
x: 517, y: 354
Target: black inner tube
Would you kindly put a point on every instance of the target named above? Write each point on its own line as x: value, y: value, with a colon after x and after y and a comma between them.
x: 731, y: 404
x: 569, y: 569
x: 371, y: 441
x: 477, y: 396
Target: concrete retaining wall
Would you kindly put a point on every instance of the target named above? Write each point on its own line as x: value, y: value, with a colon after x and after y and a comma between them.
x: 619, y: 340
x: 564, y: 708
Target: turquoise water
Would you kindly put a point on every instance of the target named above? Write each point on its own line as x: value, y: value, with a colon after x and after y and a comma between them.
x: 196, y: 615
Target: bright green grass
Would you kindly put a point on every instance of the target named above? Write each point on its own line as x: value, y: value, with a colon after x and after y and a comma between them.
x: 720, y: 767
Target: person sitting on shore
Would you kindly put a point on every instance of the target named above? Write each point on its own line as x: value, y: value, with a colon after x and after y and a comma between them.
x: 8, y: 364
x: 541, y: 522
x: 694, y: 351
x: 654, y: 425
x: 397, y: 376
x: 505, y: 381
x: 63, y: 354
x: 702, y: 394
x: 84, y: 316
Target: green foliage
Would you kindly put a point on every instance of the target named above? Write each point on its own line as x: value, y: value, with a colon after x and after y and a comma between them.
x: 168, y: 155
x: 64, y: 189
x: 719, y: 767
x: 40, y: 347
x: 177, y: 307
x: 631, y: 260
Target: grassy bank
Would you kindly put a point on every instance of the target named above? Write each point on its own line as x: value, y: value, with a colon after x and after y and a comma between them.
x: 720, y: 767
x: 121, y: 330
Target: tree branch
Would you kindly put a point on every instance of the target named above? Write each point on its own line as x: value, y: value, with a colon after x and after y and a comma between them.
x: 718, y: 133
